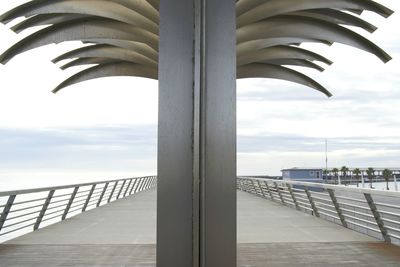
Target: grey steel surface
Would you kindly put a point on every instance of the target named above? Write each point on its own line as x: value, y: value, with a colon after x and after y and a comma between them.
x: 197, y: 121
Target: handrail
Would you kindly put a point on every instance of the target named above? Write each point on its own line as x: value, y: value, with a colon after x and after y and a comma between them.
x: 369, y: 211
x: 53, y: 204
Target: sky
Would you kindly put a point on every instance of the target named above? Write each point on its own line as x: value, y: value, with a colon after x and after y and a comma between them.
x: 107, y: 128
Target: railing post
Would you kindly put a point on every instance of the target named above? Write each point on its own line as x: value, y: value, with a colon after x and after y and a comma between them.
x: 122, y: 187
x: 279, y: 192
x: 254, y: 187
x: 337, y: 207
x: 312, y: 203
x: 102, y: 194
x: 6, y: 210
x: 289, y: 186
x: 112, y: 191
x: 43, y: 211
x: 133, y: 186
x: 269, y: 190
x: 141, y: 183
x: 146, y: 185
x: 377, y: 217
x: 129, y: 184
x: 88, y: 198
x: 262, y: 191
x: 71, y: 199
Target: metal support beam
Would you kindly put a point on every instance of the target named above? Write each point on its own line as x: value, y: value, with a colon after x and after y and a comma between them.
x: 289, y: 186
x: 126, y: 190
x: 133, y: 187
x: 70, y: 201
x: 102, y: 194
x: 279, y: 192
x: 261, y: 189
x: 377, y: 217
x: 120, y: 190
x: 337, y: 207
x: 43, y: 210
x: 196, y: 210
x: 6, y: 210
x: 88, y: 197
x: 112, y: 192
x: 312, y: 203
x: 269, y: 190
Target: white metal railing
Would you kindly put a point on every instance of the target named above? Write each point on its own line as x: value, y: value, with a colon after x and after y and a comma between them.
x: 369, y: 211
x: 26, y: 210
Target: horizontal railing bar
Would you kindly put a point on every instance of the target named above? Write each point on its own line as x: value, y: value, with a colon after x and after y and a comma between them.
x: 327, y: 210
x: 63, y: 195
x: 387, y: 205
x: 363, y: 226
x: 392, y: 229
x: 48, y: 219
x: 28, y: 201
x: 79, y: 205
x: 306, y: 208
x: 322, y: 199
x: 26, y: 208
x: 83, y: 191
x: 360, y: 219
x: 358, y: 212
x: 19, y: 222
x: 393, y: 235
x: 318, y: 193
x: 36, y: 190
x: 14, y: 230
x: 324, y: 204
x: 329, y: 215
x: 305, y: 203
x: 53, y: 212
x: 54, y: 207
x: 23, y: 215
x: 77, y: 209
x: 354, y: 206
x: 351, y: 199
x: 389, y: 213
x: 58, y: 201
x: 390, y: 221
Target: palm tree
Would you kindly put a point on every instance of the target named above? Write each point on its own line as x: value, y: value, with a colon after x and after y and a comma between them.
x: 335, y: 172
x: 370, y: 174
x: 344, y: 171
x: 357, y: 173
x: 386, y: 175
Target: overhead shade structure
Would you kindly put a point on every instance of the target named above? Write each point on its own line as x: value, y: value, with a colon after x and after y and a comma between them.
x: 196, y: 49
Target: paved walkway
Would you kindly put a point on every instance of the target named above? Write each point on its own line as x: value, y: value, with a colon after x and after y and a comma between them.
x: 123, y: 234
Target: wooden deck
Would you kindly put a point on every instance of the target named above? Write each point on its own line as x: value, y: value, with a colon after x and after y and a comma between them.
x: 123, y: 234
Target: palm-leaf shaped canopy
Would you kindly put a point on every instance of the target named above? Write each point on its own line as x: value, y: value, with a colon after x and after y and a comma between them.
x: 120, y: 37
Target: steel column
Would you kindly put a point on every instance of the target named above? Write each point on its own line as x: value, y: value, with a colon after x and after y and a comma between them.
x: 133, y: 186
x: 129, y: 184
x: 102, y: 194
x: 70, y: 201
x: 112, y: 192
x: 6, y: 210
x: 88, y: 197
x: 312, y: 203
x: 122, y: 187
x: 196, y: 212
x: 377, y: 217
x: 337, y: 207
x: 43, y: 210
x: 289, y: 186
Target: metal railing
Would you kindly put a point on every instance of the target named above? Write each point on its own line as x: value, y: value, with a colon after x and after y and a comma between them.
x: 26, y: 210
x: 369, y: 211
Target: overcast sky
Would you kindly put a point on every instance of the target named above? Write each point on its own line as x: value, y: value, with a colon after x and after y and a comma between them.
x: 107, y: 128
